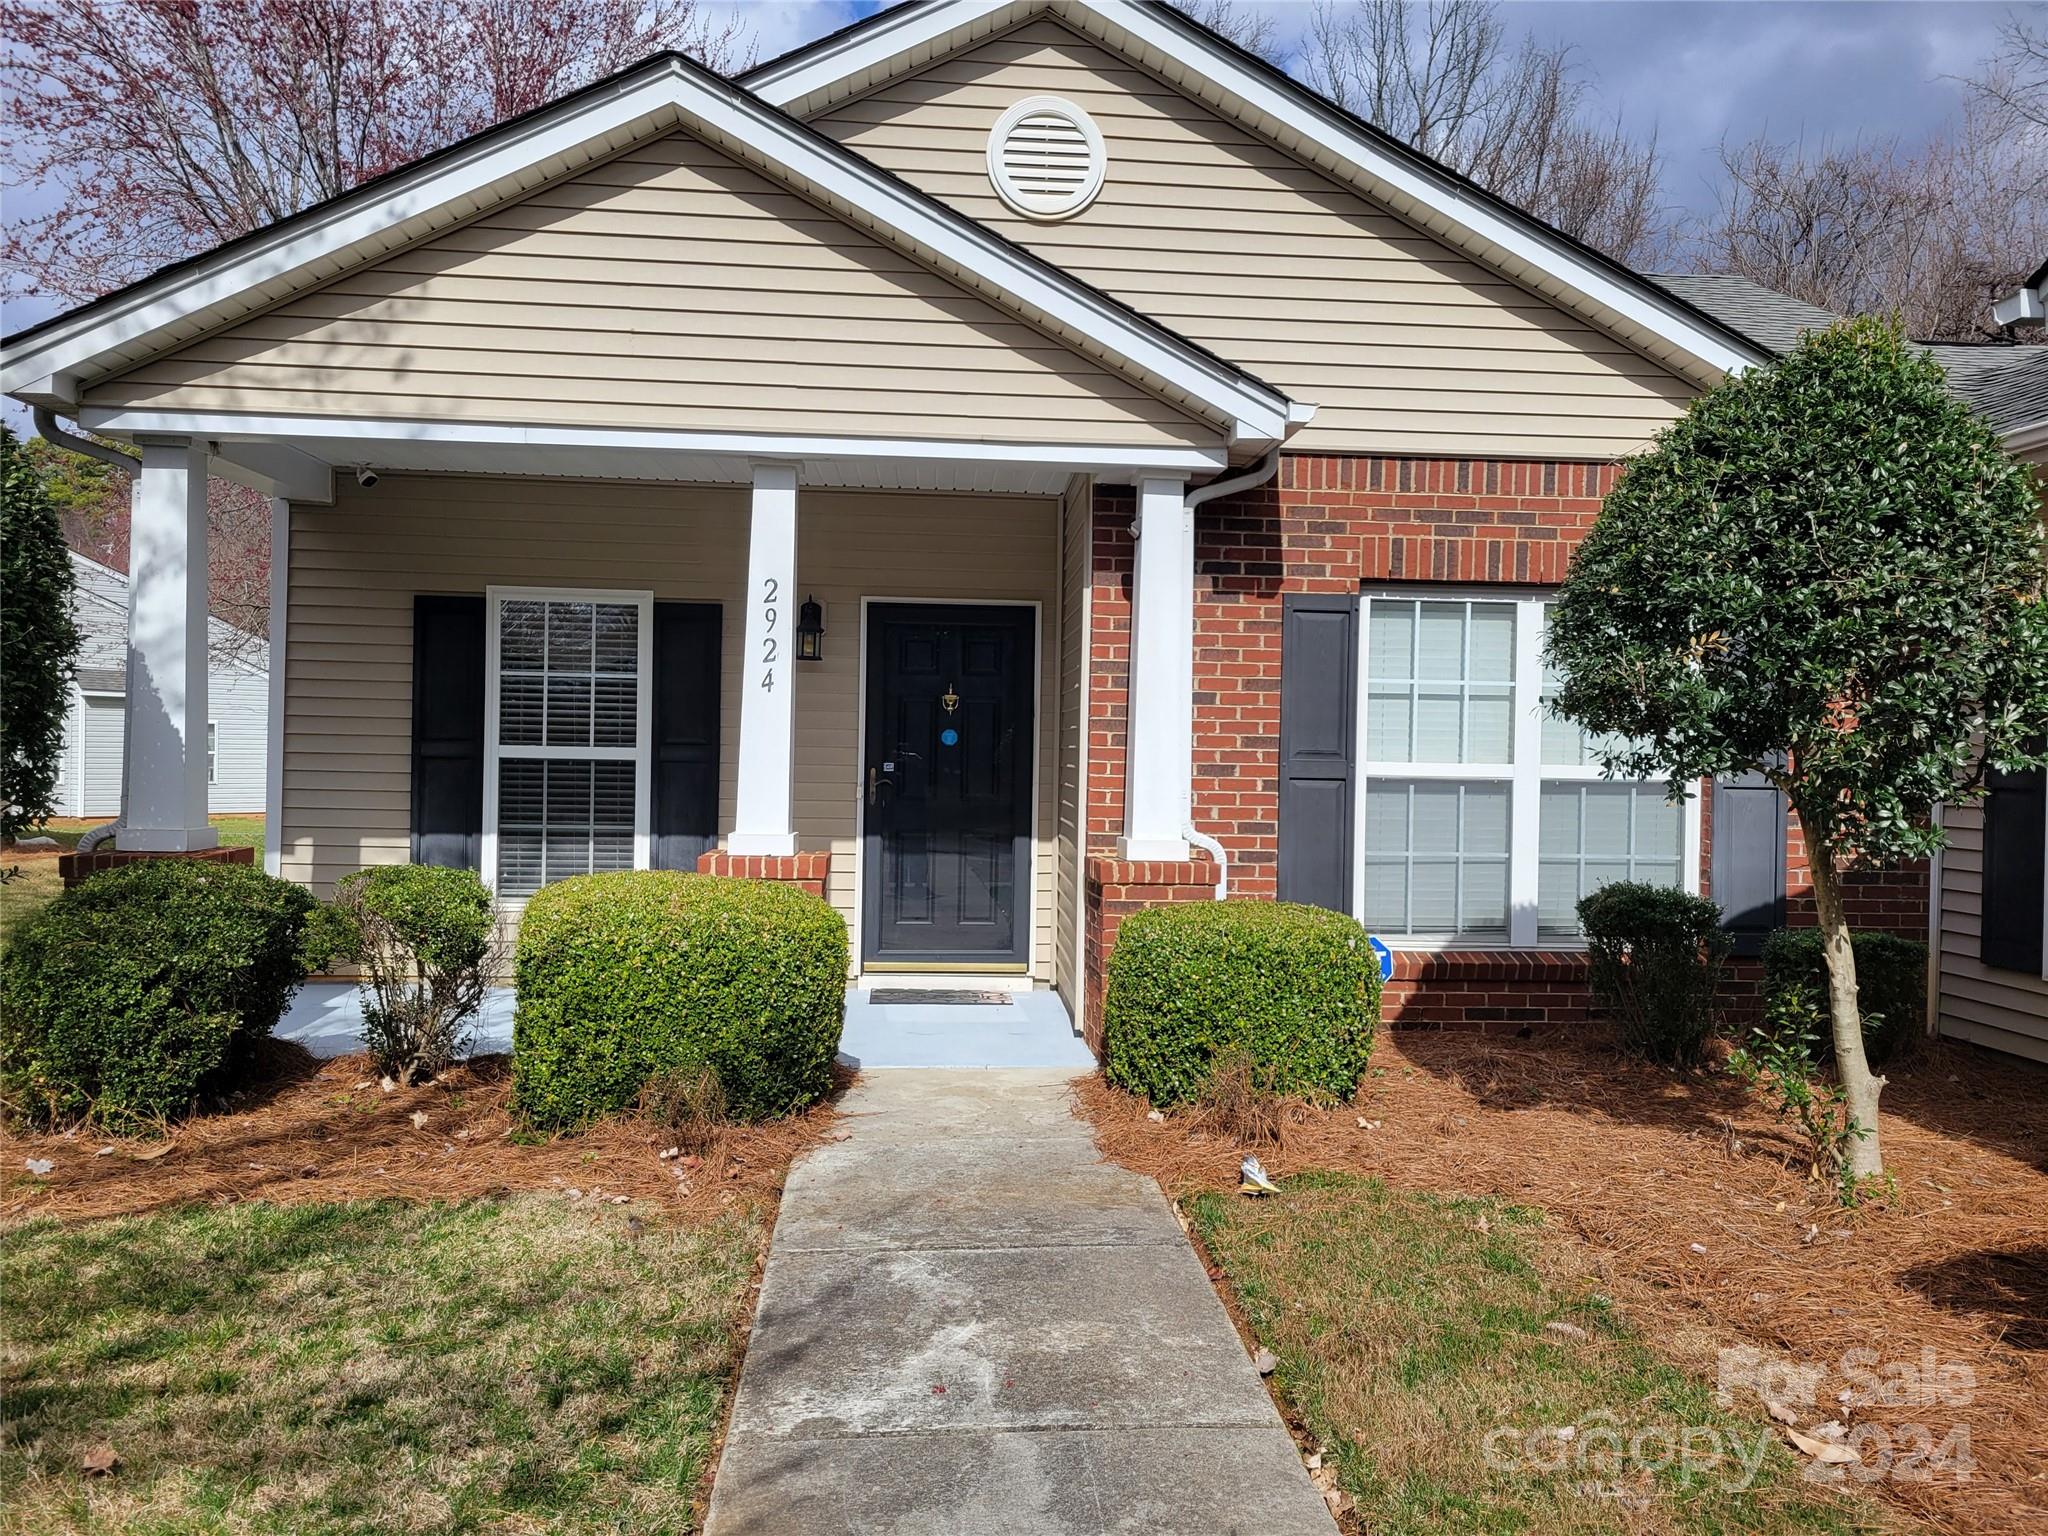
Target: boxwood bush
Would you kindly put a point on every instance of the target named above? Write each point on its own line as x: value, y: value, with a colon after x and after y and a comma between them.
x: 131, y: 995
x: 625, y: 976
x: 1295, y: 989
x: 1891, y: 991
x: 1655, y: 957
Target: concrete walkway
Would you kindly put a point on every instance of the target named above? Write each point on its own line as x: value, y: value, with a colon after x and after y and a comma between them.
x: 971, y: 1326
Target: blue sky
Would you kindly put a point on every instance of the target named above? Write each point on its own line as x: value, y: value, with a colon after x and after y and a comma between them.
x: 1695, y: 71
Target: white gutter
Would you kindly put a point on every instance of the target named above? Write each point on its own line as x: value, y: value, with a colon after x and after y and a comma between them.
x: 47, y: 429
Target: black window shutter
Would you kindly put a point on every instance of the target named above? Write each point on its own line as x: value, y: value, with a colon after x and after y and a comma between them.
x: 448, y: 731
x: 1750, y: 826
x: 686, y: 688
x: 2013, y: 827
x: 1318, y: 737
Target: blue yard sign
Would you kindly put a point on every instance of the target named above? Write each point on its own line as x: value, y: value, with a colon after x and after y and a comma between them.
x: 1386, y: 956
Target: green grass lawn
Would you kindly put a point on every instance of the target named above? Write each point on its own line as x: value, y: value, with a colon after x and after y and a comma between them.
x: 37, y: 883
x: 511, y: 1365
x: 1415, y: 1343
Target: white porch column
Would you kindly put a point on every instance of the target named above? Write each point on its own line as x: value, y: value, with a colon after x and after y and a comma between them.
x: 1160, y: 722
x: 165, y: 739
x: 762, y: 822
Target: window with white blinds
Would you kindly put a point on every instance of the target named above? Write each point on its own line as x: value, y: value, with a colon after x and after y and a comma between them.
x: 1485, y: 819
x: 566, y: 735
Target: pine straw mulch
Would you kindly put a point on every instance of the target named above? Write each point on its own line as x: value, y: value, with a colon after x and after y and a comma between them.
x: 312, y: 1131
x: 1693, y: 1204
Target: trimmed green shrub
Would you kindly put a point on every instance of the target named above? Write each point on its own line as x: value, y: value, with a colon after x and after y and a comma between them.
x: 130, y: 996
x: 1295, y: 989
x: 1656, y: 956
x: 1891, y: 991
x: 626, y: 976
x: 424, y: 939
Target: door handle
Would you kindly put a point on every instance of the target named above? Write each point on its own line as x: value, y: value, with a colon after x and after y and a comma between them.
x: 873, y: 779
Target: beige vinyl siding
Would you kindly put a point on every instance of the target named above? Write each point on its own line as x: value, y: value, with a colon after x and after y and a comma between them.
x: 2005, y: 1009
x: 1071, y: 822
x: 667, y: 288
x: 881, y: 545
x: 356, y: 567
x: 1405, y: 345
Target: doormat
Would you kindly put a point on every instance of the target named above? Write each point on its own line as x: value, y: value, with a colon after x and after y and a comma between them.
x: 943, y: 997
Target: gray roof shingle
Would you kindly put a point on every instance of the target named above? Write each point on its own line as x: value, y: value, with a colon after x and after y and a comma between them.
x: 2006, y: 385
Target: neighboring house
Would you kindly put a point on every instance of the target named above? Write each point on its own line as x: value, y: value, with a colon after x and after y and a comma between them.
x: 983, y: 465
x: 237, y: 713
x: 1989, y: 931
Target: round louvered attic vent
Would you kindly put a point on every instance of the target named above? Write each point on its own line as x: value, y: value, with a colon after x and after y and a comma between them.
x: 1046, y: 158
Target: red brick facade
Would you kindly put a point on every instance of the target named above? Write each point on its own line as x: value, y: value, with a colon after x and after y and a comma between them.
x: 75, y: 867
x: 809, y: 870
x: 1332, y: 524
x: 1117, y: 888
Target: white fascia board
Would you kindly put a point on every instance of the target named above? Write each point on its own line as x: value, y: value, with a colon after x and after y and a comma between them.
x: 927, y: 26
x: 737, y: 123
x: 885, y: 37
x: 2029, y: 441
x: 231, y: 431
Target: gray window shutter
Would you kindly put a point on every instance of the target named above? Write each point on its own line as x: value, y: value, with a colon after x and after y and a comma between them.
x: 448, y: 731
x: 1750, y: 826
x: 1318, y: 740
x: 685, y: 750
x: 2014, y: 812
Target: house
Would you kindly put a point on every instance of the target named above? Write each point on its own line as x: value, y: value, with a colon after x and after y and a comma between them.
x: 237, y: 705
x: 1003, y: 465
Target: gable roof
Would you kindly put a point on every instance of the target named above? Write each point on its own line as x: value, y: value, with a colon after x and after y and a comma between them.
x: 857, y: 58
x: 50, y: 363
x: 2006, y: 385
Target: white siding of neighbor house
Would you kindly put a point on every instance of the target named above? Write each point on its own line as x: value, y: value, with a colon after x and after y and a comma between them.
x: 669, y: 287
x: 356, y: 567
x: 2005, y: 1009
x: 238, y: 702
x: 1404, y: 344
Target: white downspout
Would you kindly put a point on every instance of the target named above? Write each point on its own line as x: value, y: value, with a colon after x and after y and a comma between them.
x: 47, y: 429
x: 1258, y: 474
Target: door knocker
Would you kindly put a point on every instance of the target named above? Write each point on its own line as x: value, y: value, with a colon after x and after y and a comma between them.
x: 949, y: 700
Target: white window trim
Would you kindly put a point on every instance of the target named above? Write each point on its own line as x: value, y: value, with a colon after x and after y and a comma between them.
x: 1526, y: 775
x: 212, y: 753
x: 641, y: 754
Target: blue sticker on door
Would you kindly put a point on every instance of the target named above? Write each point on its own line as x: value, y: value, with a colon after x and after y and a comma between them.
x: 949, y: 737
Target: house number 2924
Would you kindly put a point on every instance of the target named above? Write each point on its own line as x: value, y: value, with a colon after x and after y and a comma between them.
x: 769, y: 592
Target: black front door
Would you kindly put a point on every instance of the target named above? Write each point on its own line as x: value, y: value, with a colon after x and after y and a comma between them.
x: 948, y: 784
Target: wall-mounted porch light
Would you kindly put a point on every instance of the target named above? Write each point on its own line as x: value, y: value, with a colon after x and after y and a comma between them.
x: 810, y: 631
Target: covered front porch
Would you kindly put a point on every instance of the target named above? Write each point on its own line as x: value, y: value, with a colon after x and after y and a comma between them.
x: 542, y: 674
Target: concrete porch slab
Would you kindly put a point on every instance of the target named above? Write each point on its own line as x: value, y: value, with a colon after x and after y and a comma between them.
x: 1030, y: 1030
x: 326, y: 1017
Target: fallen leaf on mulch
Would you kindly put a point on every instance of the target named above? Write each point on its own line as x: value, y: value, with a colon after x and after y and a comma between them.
x: 1266, y: 1361
x: 99, y: 1461
x: 1820, y: 1450
x: 419, y: 1119
x: 161, y: 1149
x: 39, y: 1166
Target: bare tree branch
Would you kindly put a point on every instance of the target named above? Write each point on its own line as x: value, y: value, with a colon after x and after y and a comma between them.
x: 1445, y: 79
